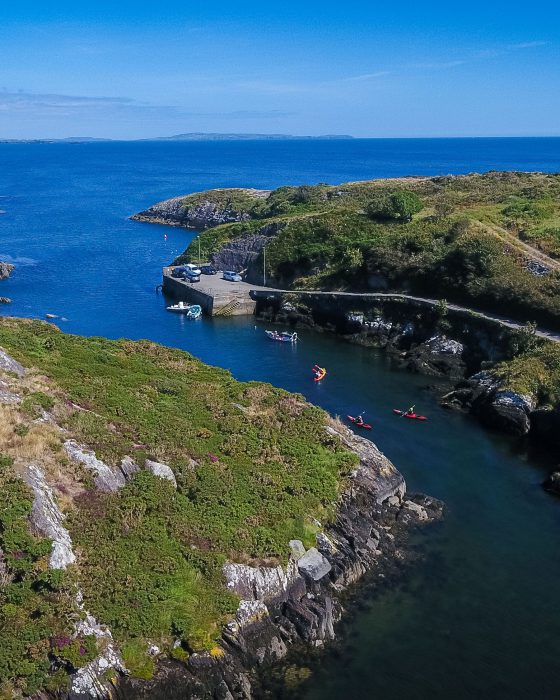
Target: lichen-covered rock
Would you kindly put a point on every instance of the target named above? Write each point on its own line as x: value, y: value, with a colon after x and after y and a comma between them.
x: 106, y: 479
x: 163, y: 471
x: 91, y: 681
x: 8, y: 364
x: 297, y: 549
x: 47, y: 518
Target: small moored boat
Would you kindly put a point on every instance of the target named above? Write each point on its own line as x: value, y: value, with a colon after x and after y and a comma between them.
x: 283, y: 337
x: 190, y: 310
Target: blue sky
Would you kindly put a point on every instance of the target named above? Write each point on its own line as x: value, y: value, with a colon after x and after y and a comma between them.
x: 372, y: 69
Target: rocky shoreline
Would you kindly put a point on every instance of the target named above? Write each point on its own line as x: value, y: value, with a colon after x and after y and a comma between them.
x: 435, y: 343
x: 282, y: 607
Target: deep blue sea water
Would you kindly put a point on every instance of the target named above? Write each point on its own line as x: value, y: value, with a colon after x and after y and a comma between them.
x: 478, y: 619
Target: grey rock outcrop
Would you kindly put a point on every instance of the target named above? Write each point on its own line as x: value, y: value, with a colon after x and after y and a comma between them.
x: 498, y: 408
x: 106, y: 479
x: 163, y: 471
x: 8, y: 364
x: 48, y: 519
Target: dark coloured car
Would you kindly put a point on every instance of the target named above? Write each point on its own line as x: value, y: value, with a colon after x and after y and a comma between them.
x: 208, y: 270
x: 191, y: 276
x: 179, y: 272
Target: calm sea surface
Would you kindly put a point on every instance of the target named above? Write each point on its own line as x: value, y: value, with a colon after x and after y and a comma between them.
x: 479, y: 618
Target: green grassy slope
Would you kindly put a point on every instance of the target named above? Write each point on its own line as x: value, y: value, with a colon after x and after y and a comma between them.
x: 254, y: 467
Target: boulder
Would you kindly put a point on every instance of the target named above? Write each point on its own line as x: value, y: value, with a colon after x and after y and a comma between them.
x: 314, y: 565
x: 162, y: 470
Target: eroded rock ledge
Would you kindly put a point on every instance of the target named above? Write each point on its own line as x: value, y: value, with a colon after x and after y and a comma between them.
x: 300, y: 602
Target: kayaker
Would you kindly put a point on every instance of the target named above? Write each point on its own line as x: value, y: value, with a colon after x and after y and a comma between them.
x: 319, y: 371
x: 409, y: 412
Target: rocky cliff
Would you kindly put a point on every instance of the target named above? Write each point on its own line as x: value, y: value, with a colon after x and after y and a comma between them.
x: 300, y: 603
x: 202, y: 211
x: 278, y: 602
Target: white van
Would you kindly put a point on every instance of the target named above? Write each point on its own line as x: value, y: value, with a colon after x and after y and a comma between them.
x: 194, y: 269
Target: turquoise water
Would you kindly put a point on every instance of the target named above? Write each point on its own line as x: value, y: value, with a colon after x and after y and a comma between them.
x: 478, y: 618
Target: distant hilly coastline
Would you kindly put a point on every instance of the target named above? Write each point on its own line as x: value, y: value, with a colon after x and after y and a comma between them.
x: 195, y: 136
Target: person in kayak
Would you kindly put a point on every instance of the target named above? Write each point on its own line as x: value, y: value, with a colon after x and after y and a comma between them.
x: 409, y: 412
x: 359, y: 420
x: 319, y: 371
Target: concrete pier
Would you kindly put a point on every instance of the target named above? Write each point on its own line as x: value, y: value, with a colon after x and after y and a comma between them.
x: 216, y: 296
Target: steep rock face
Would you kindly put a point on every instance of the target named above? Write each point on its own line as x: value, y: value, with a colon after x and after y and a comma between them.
x: 6, y: 270
x: 483, y: 395
x: 299, y: 602
x: 244, y: 253
x: 203, y: 214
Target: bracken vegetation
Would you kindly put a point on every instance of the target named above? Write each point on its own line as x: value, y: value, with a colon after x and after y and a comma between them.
x: 254, y: 468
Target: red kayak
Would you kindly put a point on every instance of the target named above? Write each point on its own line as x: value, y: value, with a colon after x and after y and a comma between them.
x: 413, y: 416
x: 354, y: 420
x: 320, y: 373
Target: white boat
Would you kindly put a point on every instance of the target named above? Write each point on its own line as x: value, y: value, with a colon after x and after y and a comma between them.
x: 283, y: 337
x: 190, y: 310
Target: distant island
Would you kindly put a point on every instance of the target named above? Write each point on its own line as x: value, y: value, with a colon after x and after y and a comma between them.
x: 194, y: 136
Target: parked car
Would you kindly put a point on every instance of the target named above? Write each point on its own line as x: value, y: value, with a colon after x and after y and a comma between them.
x: 193, y: 268
x: 179, y: 272
x: 208, y: 270
x: 191, y: 276
x: 232, y: 276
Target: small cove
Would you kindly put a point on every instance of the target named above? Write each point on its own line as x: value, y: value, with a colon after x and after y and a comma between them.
x: 476, y: 618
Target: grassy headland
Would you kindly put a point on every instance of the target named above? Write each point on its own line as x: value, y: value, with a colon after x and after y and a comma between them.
x: 254, y: 468
x: 467, y: 243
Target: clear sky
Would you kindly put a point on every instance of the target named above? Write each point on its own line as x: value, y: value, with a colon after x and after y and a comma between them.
x: 382, y: 69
